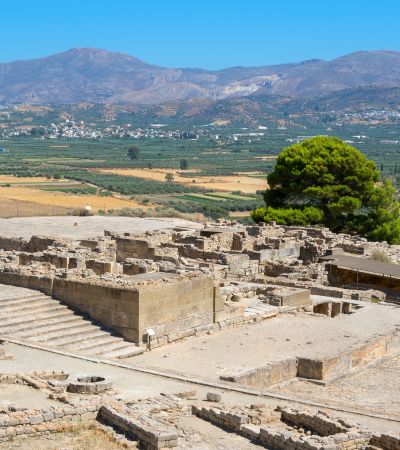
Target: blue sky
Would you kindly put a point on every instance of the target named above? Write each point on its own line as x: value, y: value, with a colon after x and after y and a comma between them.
x: 200, y: 33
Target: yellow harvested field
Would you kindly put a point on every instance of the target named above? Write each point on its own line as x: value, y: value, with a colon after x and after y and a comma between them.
x: 17, y: 208
x: 239, y: 214
x: 12, y: 179
x: 248, y: 185
x: 60, y: 199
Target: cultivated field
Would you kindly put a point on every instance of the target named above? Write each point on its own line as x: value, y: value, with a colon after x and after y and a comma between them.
x: 31, y: 196
x: 65, y: 200
x: 246, y: 184
x: 9, y: 179
x: 18, y: 208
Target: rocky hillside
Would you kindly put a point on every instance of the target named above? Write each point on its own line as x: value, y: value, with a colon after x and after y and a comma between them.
x: 100, y: 76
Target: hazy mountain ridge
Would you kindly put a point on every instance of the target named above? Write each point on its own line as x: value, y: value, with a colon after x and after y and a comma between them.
x: 100, y: 76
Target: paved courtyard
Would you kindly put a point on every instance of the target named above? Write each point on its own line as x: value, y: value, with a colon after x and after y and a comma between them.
x: 73, y: 227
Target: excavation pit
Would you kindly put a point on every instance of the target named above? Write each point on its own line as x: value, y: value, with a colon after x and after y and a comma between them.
x: 335, y: 308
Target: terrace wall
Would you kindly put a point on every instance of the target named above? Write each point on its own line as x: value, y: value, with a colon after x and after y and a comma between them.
x: 167, y: 308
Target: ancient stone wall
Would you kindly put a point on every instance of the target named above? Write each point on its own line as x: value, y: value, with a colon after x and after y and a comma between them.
x: 151, y: 437
x: 340, y: 364
x: 272, y: 373
x: 167, y: 308
x: 327, y: 433
x: 171, y: 308
x: 115, y: 308
x: 133, y: 248
x: 386, y: 441
x: 324, y: 369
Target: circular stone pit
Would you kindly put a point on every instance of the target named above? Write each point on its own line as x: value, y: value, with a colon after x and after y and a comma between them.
x: 89, y: 385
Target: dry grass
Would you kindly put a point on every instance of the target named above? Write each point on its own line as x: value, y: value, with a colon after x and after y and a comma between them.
x: 13, y: 180
x: 239, y: 214
x: 17, y: 208
x: 77, y: 439
x: 63, y: 200
x: 246, y: 184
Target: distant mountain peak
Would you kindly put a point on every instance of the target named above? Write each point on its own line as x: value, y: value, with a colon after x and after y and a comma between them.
x: 102, y: 76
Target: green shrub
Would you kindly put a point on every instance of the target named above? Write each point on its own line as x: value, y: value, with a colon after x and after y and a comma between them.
x: 379, y: 255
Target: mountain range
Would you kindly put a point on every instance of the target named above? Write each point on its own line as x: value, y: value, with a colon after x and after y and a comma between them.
x: 100, y: 76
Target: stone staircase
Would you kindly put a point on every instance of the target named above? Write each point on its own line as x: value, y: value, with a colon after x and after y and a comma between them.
x: 34, y: 317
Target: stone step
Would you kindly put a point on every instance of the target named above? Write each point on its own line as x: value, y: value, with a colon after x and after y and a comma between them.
x: 18, y: 300
x: 50, y: 316
x: 27, y: 332
x: 39, y: 318
x: 31, y: 314
x: 40, y: 323
x: 99, y: 347
x: 75, y: 339
x: 64, y: 332
x: 98, y: 340
x: 130, y: 350
x: 35, y: 305
x: 112, y: 348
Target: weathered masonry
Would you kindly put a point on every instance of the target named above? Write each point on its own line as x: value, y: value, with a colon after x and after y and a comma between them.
x: 166, y: 303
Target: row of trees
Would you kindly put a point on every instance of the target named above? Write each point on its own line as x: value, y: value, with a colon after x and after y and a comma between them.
x: 326, y: 181
x: 134, y: 154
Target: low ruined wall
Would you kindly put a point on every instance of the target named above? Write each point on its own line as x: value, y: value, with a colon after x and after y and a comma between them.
x: 386, y: 441
x: 38, y: 282
x: 273, y: 373
x: 279, y: 440
x: 151, y: 435
x: 35, y: 244
x: 13, y: 244
x: 100, y: 267
x: 323, y: 369
x: 190, y: 251
x: 133, y: 248
x: 331, y: 367
x: 318, y: 423
x: 32, y: 422
x: 295, y: 297
x: 328, y: 433
x: 227, y: 420
x: 266, y: 255
x: 326, y: 291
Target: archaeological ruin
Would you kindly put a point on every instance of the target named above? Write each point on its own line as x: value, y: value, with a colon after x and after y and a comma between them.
x: 287, y: 329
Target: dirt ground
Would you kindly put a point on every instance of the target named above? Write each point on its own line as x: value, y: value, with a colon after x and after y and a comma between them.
x: 73, y: 227
x: 254, y: 345
x: 375, y: 388
x: 133, y: 385
x: 82, y: 438
x: 24, y: 396
x: 246, y: 184
x: 202, y: 435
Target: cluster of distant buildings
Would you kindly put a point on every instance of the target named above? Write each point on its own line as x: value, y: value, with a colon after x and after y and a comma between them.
x: 70, y: 129
x: 369, y: 115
